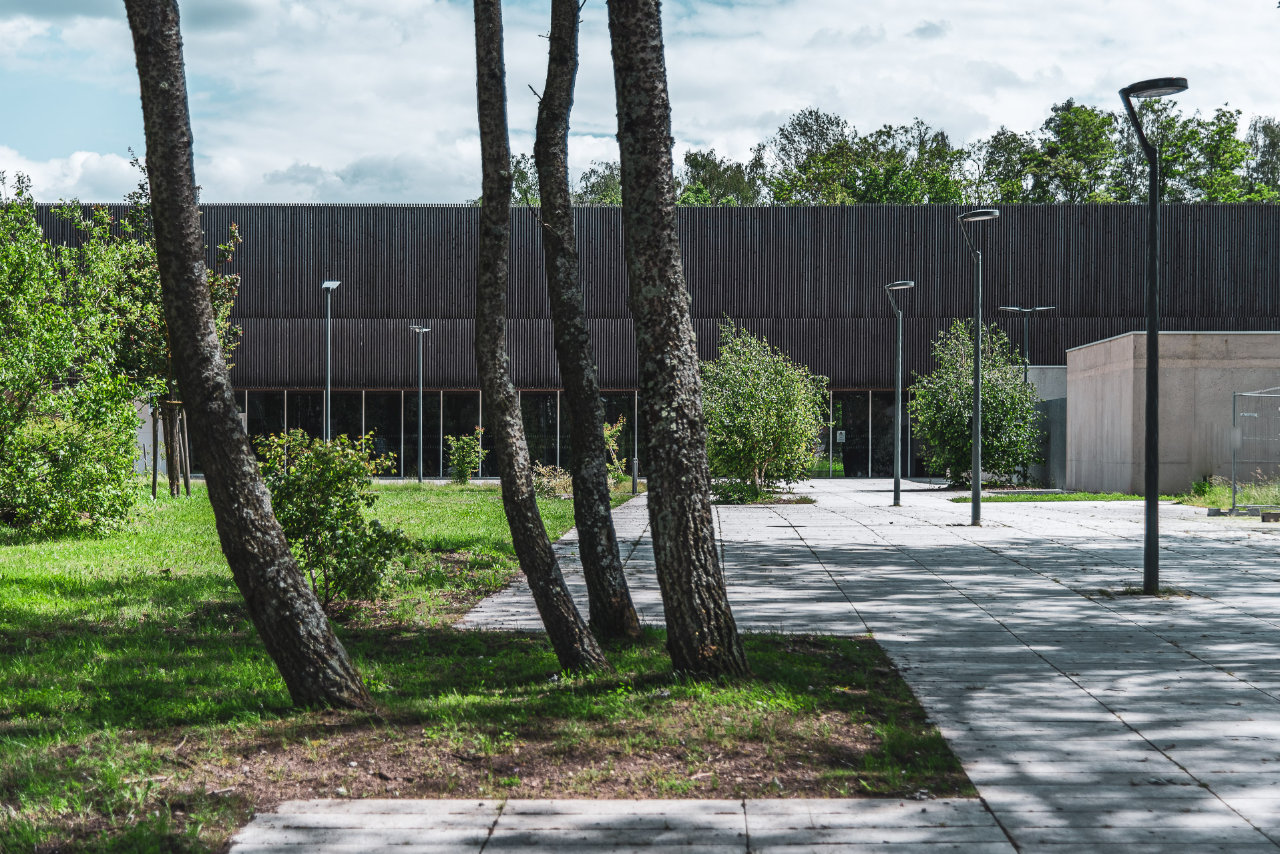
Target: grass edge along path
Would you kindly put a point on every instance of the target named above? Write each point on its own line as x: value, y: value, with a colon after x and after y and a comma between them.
x: 1058, y: 496
x: 138, y: 712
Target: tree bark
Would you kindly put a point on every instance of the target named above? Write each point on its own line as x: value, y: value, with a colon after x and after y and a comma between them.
x: 701, y: 634
x: 575, y: 646
x: 612, y: 615
x: 171, y: 462
x: 283, y: 608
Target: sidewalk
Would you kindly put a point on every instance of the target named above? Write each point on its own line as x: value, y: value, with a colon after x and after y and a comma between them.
x: 1089, y: 720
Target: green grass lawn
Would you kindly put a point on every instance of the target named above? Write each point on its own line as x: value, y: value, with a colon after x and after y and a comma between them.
x: 138, y: 711
x: 1059, y: 496
x: 1216, y: 492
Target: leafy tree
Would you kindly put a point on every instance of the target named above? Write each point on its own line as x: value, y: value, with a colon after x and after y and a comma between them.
x: 763, y: 411
x: 702, y: 636
x: 575, y: 647
x: 320, y: 491
x: 1216, y: 172
x: 941, y: 407
x: 290, y: 620
x: 711, y: 180
x: 114, y: 267
x: 1077, y: 154
x: 1004, y: 167
x: 907, y: 165
x: 817, y: 158
x: 1262, y: 165
x: 600, y: 185
x: 1175, y: 138
x: 67, y: 422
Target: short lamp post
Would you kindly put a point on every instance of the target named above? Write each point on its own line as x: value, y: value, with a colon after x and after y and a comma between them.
x: 328, y: 353
x: 1151, y: 458
x: 421, y: 332
x: 975, y: 512
x: 1026, y: 333
x: 897, y: 392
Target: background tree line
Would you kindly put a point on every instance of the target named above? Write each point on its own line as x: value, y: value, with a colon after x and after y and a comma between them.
x: 1081, y: 154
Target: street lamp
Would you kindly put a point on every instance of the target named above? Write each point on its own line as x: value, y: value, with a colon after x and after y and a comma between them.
x: 1151, y: 463
x: 328, y: 352
x: 1026, y: 333
x: 975, y: 512
x: 420, y: 331
x: 897, y: 392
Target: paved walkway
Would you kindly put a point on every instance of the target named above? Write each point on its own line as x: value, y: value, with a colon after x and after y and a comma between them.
x: 1088, y: 719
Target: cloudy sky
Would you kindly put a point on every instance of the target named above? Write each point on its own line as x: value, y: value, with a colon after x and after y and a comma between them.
x: 374, y: 100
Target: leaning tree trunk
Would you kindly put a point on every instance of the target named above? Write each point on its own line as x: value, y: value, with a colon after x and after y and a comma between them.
x: 701, y: 635
x: 283, y: 608
x: 609, y: 600
x: 574, y: 645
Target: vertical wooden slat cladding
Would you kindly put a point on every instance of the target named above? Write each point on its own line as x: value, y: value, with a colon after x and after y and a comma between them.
x: 809, y: 279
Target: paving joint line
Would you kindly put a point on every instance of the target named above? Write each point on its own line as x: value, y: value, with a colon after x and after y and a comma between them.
x: 825, y: 569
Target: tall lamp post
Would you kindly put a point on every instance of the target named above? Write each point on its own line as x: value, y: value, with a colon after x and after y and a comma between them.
x: 421, y: 332
x: 328, y: 352
x: 1151, y: 458
x: 975, y: 513
x: 897, y: 392
x: 1026, y: 333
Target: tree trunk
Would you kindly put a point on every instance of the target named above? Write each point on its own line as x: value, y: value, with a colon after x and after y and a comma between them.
x: 186, y: 453
x: 701, y: 635
x: 574, y: 645
x: 285, y: 612
x: 171, y: 463
x: 610, y: 607
x: 155, y: 448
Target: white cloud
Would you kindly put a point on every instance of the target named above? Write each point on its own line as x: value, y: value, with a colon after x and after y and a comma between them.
x: 86, y: 175
x: 374, y: 100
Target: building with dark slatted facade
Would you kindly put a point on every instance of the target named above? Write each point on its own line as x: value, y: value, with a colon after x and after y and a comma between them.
x: 810, y: 280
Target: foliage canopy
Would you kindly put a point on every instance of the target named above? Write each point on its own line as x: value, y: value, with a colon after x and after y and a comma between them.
x: 67, y: 421
x: 941, y: 407
x: 763, y: 412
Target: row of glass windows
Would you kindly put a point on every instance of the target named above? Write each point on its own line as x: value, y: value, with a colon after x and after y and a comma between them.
x: 392, y: 418
x: 859, y: 444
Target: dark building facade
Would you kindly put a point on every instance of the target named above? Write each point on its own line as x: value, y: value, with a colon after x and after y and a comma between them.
x: 810, y: 280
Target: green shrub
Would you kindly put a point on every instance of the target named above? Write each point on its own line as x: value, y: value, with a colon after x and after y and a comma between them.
x: 70, y: 468
x: 763, y: 412
x: 941, y: 407
x: 617, y: 465
x: 320, y: 492
x: 735, y: 492
x: 465, y: 455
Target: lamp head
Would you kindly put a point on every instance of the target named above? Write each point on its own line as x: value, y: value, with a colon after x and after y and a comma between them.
x: 330, y: 285
x: 1155, y: 88
x: 904, y: 285
x: 1044, y: 308
x: 979, y: 215
x: 1014, y: 308
x: 420, y: 329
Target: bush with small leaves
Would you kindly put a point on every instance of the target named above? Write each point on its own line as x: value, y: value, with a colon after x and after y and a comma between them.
x: 941, y: 407
x: 465, y: 455
x: 763, y: 413
x: 320, y: 492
